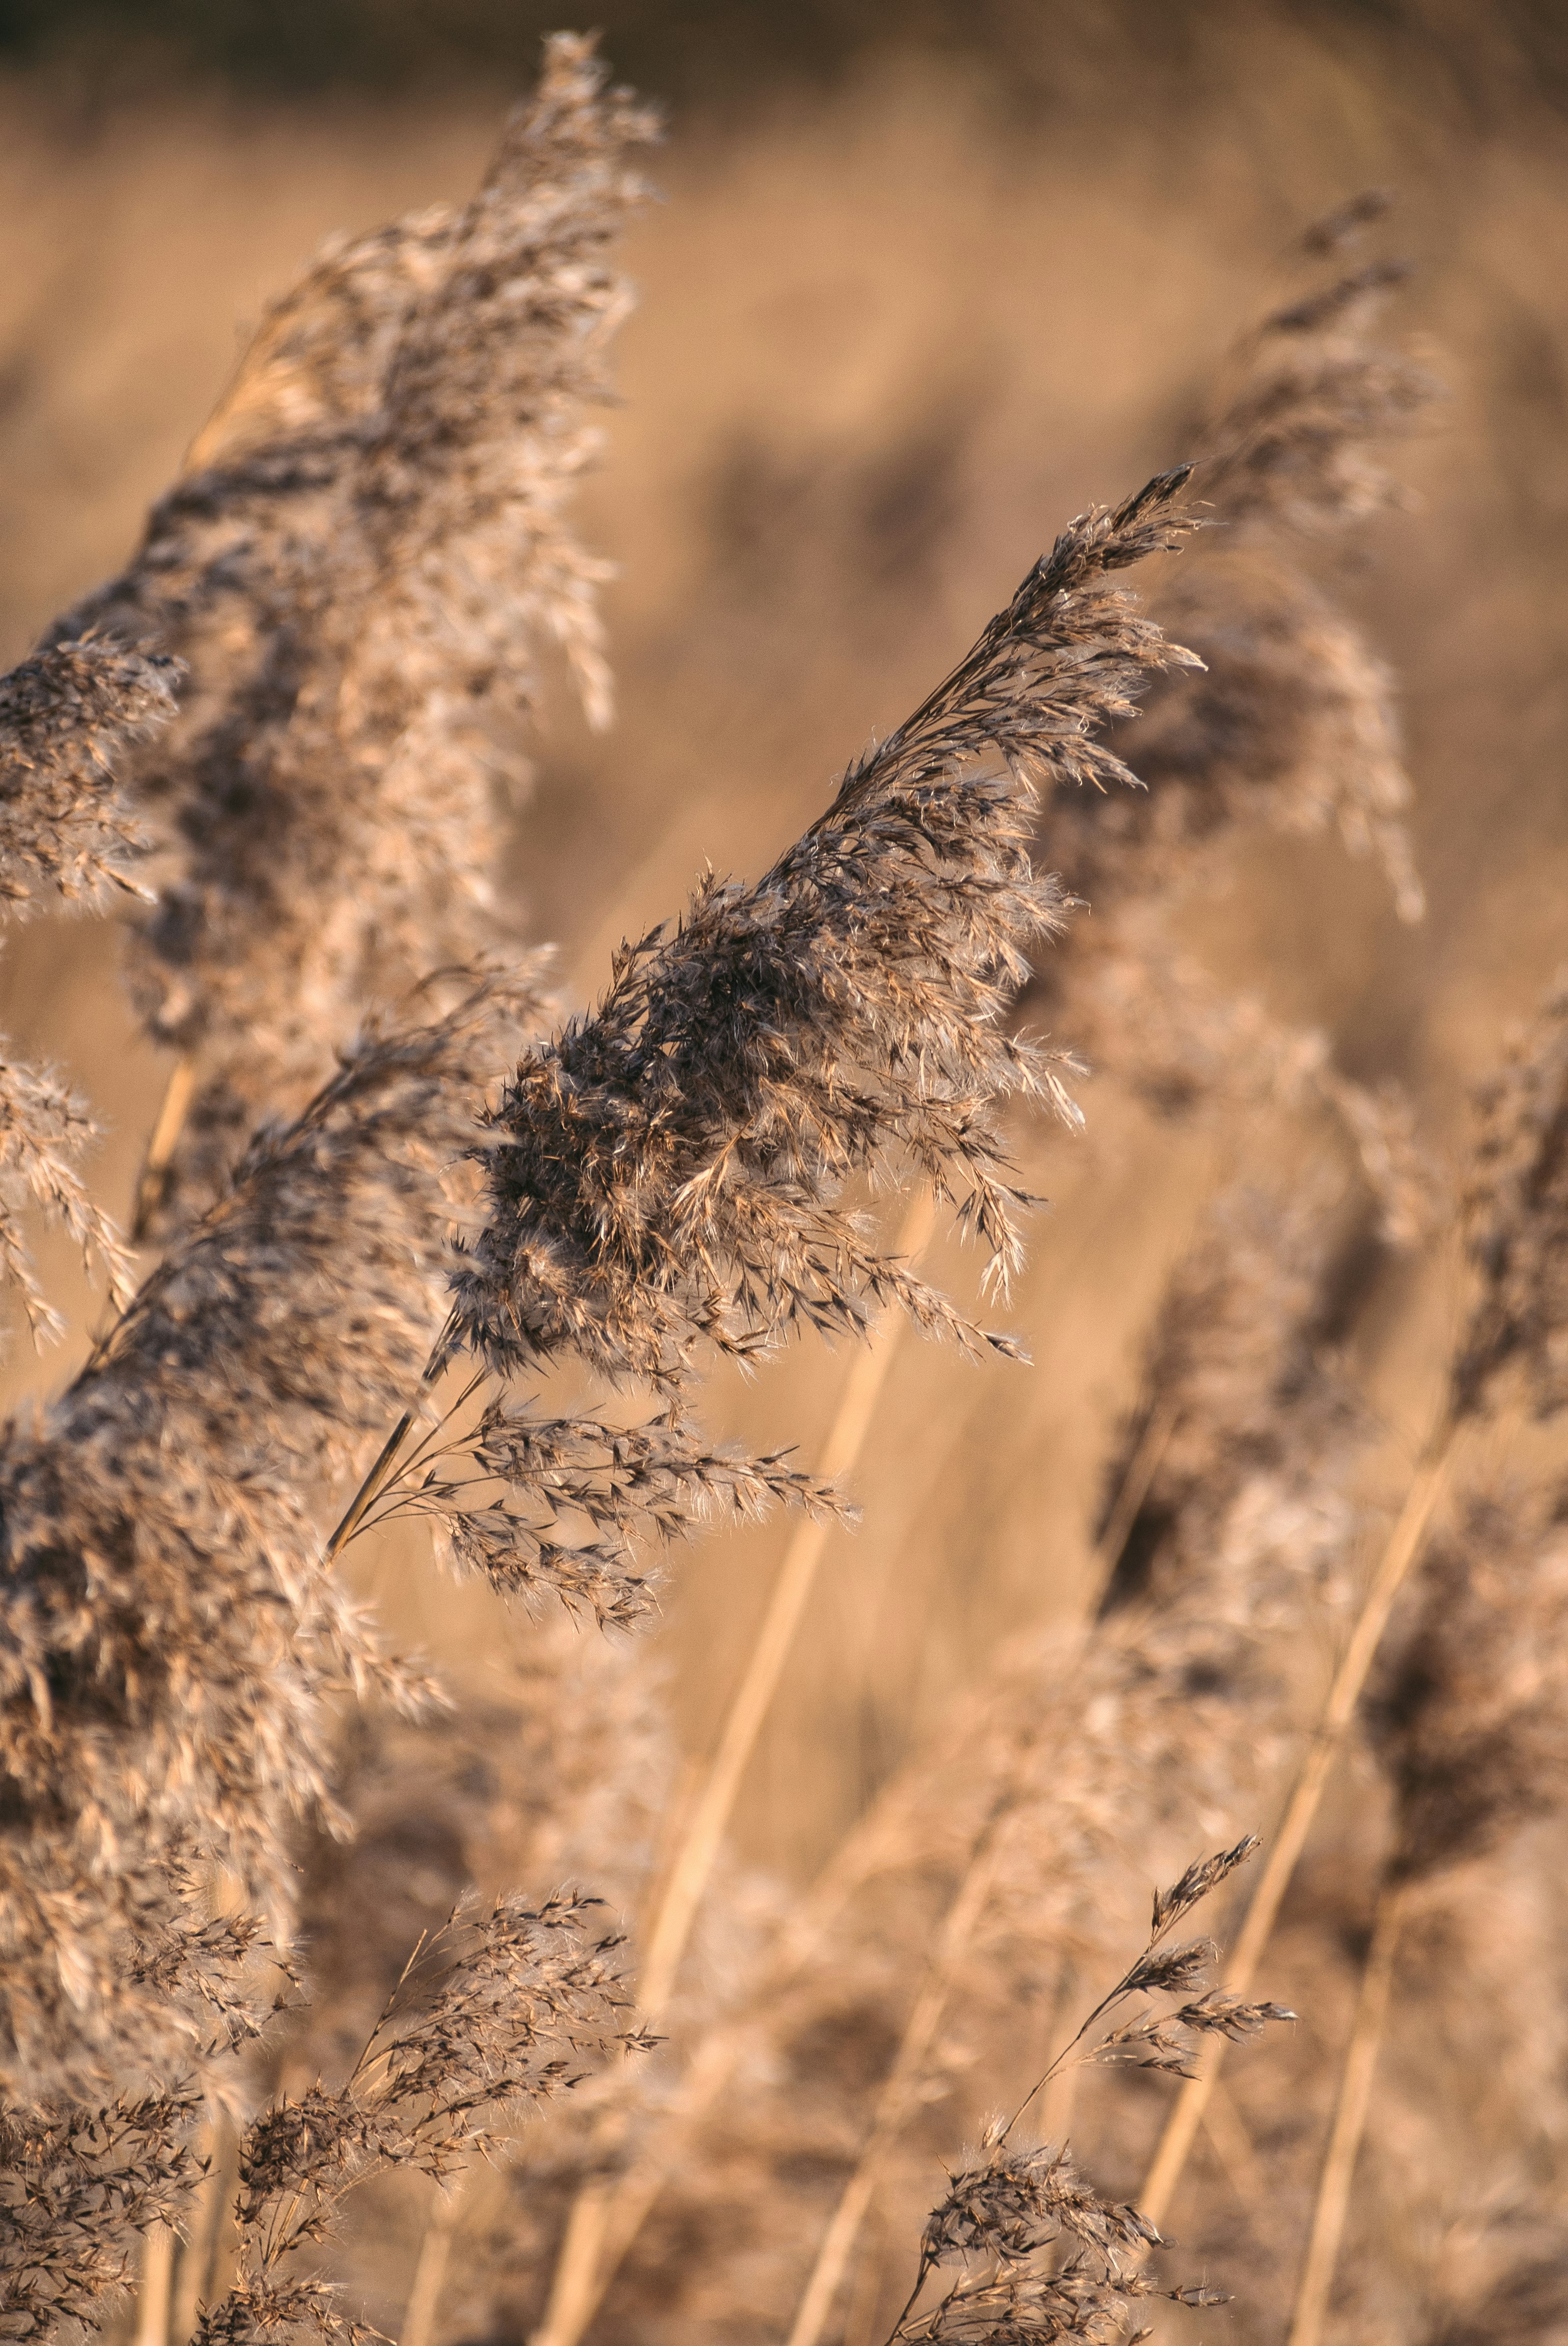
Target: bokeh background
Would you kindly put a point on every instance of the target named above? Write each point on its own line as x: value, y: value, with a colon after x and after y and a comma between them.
x: 925, y: 281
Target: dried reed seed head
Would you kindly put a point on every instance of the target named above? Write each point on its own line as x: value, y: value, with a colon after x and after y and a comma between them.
x: 1288, y: 715
x: 664, y: 1172
x: 1203, y: 1875
x: 665, y: 1177
x: 1015, y: 2203
x: 1470, y: 1719
x: 1292, y: 443
x: 1233, y: 1370
x: 170, y: 1637
x: 1036, y: 2309
x: 45, y: 1131
x: 66, y: 718
x: 361, y: 568
x: 1515, y: 1220
x: 504, y: 2006
x: 635, y: 1485
x: 76, y: 2187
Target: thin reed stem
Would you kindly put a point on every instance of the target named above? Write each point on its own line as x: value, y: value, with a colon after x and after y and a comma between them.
x: 1404, y: 1545
x: 579, y: 2280
x: 430, y: 2272
x: 1349, y: 2122
x: 165, y: 1139
x: 893, y: 2102
x: 156, y: 2276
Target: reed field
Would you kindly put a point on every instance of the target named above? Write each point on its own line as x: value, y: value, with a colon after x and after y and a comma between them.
x: 785, y: 1184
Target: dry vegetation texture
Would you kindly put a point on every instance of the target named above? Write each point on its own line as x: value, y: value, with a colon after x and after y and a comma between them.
x: 297, y: 1951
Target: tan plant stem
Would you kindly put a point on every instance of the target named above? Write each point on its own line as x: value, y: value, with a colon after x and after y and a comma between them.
x: 164, y: 1141
x: 1349, y: 2123
x: 608, y: 2216
x: 893, y: 2102
x: 962, y: 1916
x: 1403, y: 1546
x: 580, y: 2268
x: 430, y: 2272
x: 694, y: 1861
x: 156, y: 2274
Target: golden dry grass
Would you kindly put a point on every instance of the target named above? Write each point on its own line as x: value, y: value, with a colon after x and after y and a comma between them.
x: 884, y: 349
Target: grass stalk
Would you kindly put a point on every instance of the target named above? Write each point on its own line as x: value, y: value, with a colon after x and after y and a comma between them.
x: 1333, y: 2201
x: 582, y: 2270
x: 962, y: 1916
x: 165, y: 1139
x: 1404, y: 1544
x: 154, y: 2298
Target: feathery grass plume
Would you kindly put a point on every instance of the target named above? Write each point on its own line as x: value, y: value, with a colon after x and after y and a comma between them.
x: 169, y: 1632
x: 67, y: 720
x: 1291, y: 716
x: 79, y: 2183
x: 666, y: 1175
x: 500, y: 2007
x: 359, y: 568
x: 1059, y: 2260
x: 1049, y: 1787
x: 77, y: 2187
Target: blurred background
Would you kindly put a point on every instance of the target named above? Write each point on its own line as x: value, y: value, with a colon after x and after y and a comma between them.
x: 925, y: 281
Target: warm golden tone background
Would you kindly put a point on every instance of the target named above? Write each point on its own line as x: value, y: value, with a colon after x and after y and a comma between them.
x: 900, y: 318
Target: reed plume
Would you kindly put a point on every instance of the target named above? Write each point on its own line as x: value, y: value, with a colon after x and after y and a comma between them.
x: 361, y: 567
x: 169, y: 1636
x: 68, y: 719
x: 1058, y: 2259
x: 666, y: 1176
x: 1288, y: 721
x: 498, y: 2009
